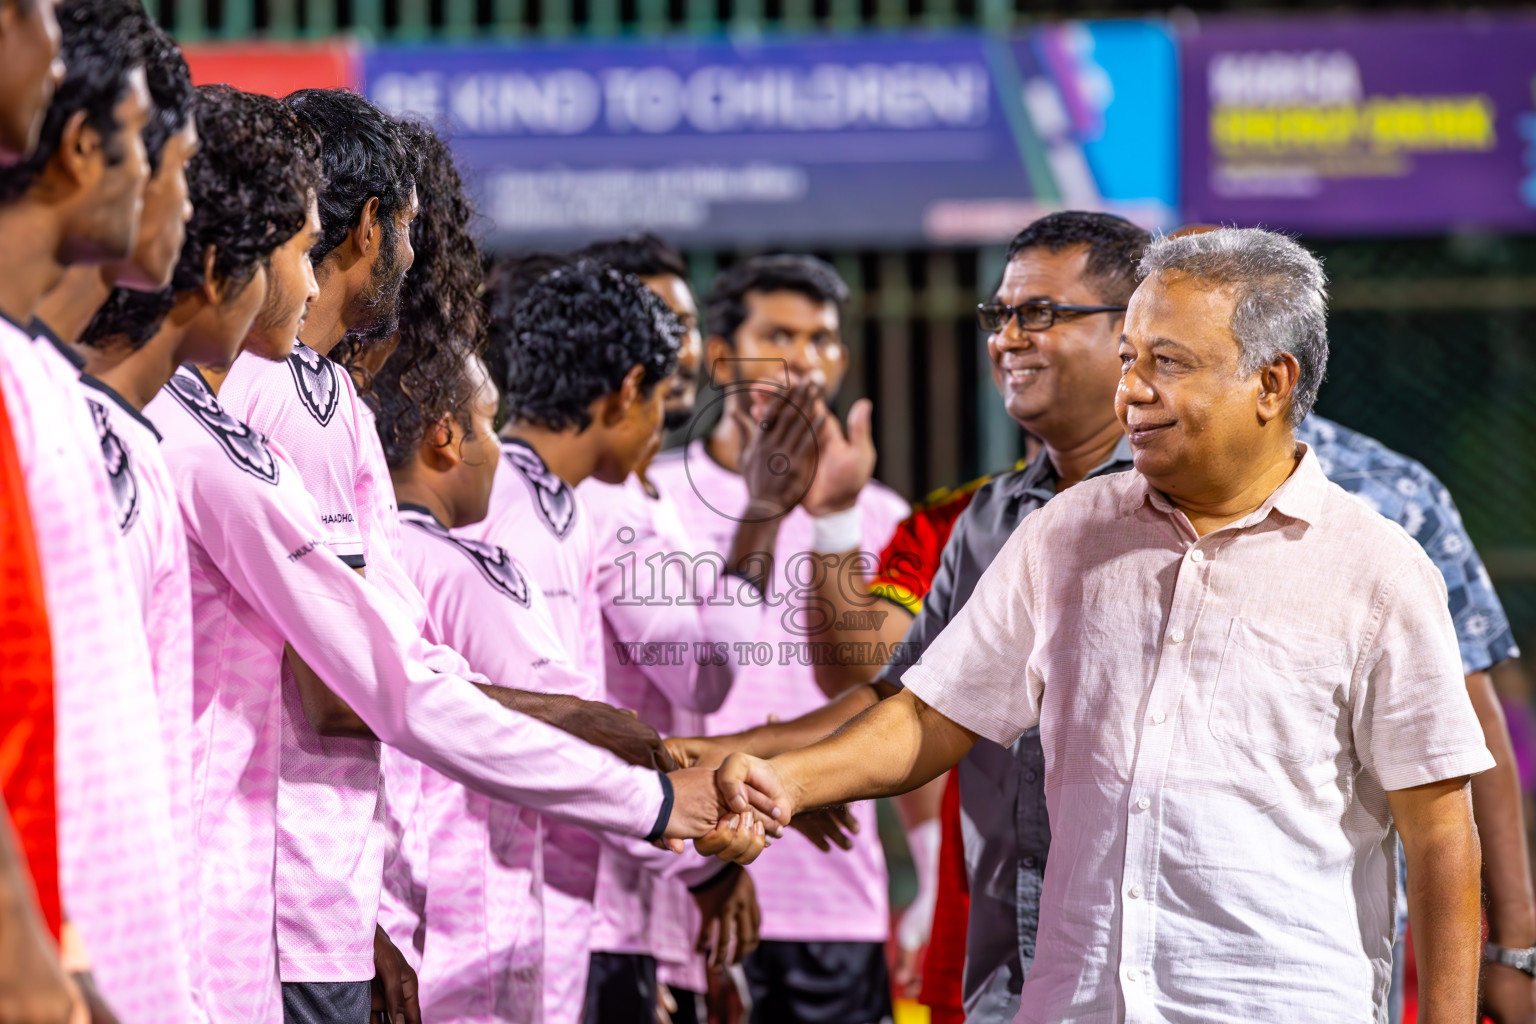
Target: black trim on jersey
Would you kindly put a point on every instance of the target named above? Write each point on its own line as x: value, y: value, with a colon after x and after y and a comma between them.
x: 26, y: 329
x: 554, y: 497
x: 123, y: 403
x: 498, y: 568
x: 409, y: 506
x: 246, y: 449
x: 119, y: 466
x: 667, y: 796
x: 197, y: 371
x: 353, y: 561
x: 42, y: 332
x: 315, y: 378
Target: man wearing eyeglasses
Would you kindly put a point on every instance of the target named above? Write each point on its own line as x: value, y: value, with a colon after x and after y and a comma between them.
x: 1052, y: 329
x: 1052, y: 333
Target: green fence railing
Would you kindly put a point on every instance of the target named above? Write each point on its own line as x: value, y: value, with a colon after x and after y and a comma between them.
x: 416, y: 20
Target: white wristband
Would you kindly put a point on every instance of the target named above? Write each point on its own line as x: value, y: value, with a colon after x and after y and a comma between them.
x: 916, y: 925
x: 833, y: 534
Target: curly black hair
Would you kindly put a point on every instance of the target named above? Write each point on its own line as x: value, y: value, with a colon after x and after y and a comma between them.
x: 643, y: 255
x: 364, y: 156
x: 170, y: 87
x: 506, y: 283
x: 725, y: 308
x: 403, y: 422
x: 1114, y: 247
x: 441, y: 318
x: 250, y: 186
x: 102, y: 42
x: 574, y: 335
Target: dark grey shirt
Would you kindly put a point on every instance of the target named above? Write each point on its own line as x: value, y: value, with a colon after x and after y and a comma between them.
x: 1002, y: 790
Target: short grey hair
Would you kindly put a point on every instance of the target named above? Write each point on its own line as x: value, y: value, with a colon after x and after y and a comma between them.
x: 1281, y: 291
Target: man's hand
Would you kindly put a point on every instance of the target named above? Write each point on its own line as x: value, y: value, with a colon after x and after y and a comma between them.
x: 696, y: 751
x: 699, y: 811
x: 779, y: 433
x: 828, y: 827
x: 845, y: 462
x: 723, y: 1001
x: 749, y: 783
x: 615, y: 730
x: 1509, y: 996
x: 731, y: 915
x: 33, y: 986
x: 394, y: 984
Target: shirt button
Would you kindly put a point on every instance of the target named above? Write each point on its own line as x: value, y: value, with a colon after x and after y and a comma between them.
x: 1197, y: 555
x: 1134, y: 892
x: 1158, y: 718
x: 1177, y: 636
x: 1143, y: 803
x: 1029, y: 862
x: 1132, y: 974
x: 1029, y: 776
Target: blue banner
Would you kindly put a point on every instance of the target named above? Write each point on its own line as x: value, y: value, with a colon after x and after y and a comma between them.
x: 854, y: 140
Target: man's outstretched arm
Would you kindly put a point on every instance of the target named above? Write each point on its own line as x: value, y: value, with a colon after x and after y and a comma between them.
x: 891, y: 748
x: 1509, y: 995
x: 1444, y: 909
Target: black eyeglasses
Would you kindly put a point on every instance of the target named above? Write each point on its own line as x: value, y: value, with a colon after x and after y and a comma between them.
x: 1039, y: 315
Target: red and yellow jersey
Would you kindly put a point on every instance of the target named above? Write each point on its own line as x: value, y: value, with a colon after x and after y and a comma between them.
x: 27, y: 765
x: 910, y: 560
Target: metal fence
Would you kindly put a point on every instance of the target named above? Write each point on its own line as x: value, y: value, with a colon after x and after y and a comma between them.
x: 406, y: 20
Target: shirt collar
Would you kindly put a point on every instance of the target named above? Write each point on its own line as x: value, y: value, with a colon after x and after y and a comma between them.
x: 1299, y: 497
x: 1040, y: 475
x: 507, y: 441
x: 410, y: 508
x: 123, y: 403
x: 42, y: 332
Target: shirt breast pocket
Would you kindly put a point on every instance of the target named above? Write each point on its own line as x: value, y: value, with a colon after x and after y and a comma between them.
x: 1275, y: 689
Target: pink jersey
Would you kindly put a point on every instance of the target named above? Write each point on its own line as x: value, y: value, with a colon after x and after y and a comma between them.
x: 329, y: 817
x: 261, y: 574
x: 539, y: 518
x: 150, y: 522
x: 119, y: 870
x: 660, y: 625
x: 480, y: 962
x: 806, y: 895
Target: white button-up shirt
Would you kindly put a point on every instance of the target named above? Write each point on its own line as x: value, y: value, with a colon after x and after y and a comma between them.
x: 1222, y: 717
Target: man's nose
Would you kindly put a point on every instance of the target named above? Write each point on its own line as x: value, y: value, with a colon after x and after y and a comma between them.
x: 1135, y: 389
x: 1012, y: 338
x: 805, y: 362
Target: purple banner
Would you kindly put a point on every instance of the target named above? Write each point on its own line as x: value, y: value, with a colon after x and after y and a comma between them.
x: 1353, y: 126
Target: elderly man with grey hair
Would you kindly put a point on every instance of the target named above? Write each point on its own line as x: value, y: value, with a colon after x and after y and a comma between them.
x: 1245, y: 680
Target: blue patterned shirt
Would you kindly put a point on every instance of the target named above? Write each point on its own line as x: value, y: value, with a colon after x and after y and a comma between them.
x: 1410, y: 495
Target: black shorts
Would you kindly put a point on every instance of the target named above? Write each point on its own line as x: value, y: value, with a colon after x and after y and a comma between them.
x: 819, y: 983
x: 621, y: 989
x: 327, y: 1002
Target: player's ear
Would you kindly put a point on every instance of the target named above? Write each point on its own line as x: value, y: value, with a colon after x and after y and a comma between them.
x: 213, y: 288
x: 367, y: 233
x: 718, y: 360
x: 610, y: 410
x: 440, y: 448
x: 80, y: 149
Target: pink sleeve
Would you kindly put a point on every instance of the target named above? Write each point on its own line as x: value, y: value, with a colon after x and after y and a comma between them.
x: 267, y: 545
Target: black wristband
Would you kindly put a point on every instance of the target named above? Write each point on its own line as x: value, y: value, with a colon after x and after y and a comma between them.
x: 725, y: 874
x: 660, y: 828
